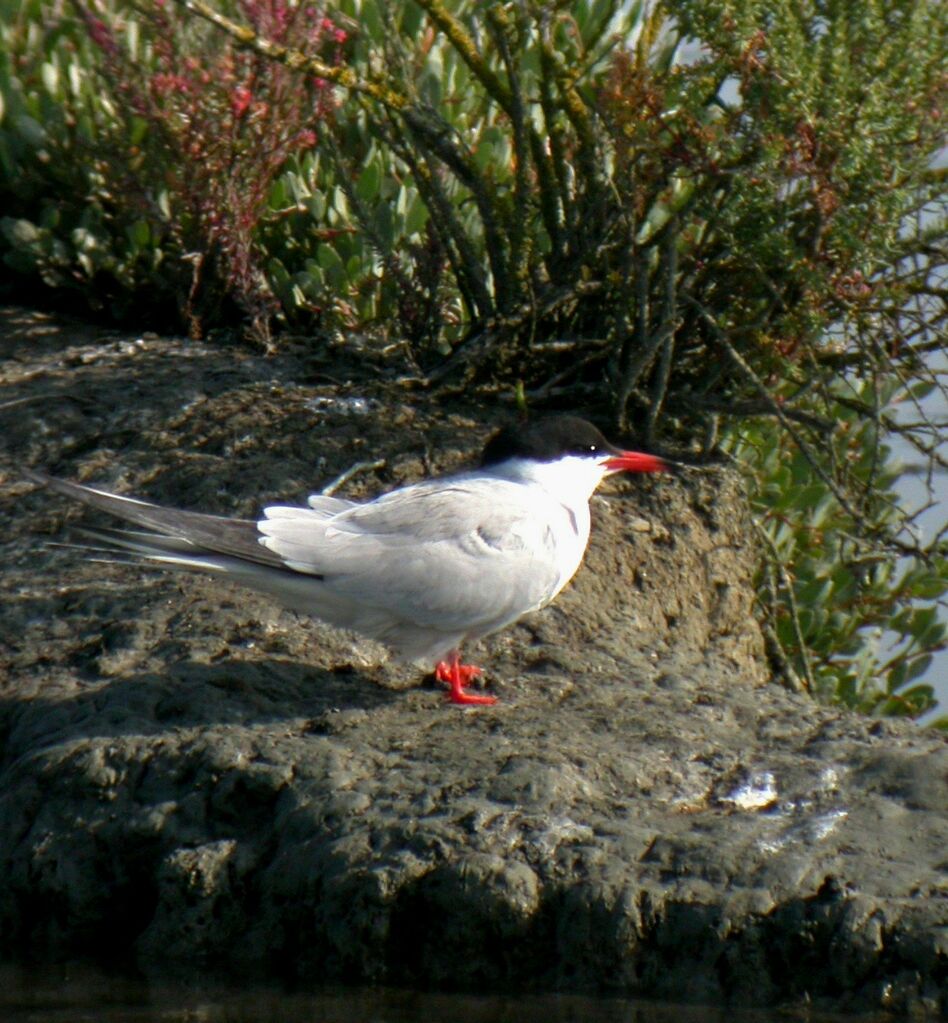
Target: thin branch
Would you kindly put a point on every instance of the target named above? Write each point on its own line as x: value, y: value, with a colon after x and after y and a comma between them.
x: 352, y: 471
x: 747, y: 409
x: 469, y: 52
x: 468, y: 268
x: 560, y: 210
x: 499, y: 22
x: 644, y: 347
x: 295, y: 59
x: 435, y: 136
x: 670, y: 323
x: 575, y: 110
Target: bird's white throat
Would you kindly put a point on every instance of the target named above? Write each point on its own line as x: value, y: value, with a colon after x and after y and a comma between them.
x: 569, y: 480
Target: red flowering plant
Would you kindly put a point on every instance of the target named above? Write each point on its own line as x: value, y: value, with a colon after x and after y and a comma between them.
x: 206, y: 128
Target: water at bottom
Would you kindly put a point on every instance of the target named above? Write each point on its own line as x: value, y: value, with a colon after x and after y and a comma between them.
x: 78, y: 994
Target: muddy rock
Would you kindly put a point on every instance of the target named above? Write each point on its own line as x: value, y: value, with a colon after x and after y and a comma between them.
x: 192, y: 779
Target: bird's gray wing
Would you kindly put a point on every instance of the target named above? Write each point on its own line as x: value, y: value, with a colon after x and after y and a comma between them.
x: 449, y: 556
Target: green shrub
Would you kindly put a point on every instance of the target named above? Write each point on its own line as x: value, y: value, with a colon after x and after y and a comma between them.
x: 846, y: 616
x: 143, y: 154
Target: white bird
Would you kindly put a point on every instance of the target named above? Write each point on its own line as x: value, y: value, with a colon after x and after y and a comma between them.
x: 423, y: 568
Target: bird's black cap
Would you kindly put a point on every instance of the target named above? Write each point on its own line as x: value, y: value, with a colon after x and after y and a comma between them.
x: 546, y: 440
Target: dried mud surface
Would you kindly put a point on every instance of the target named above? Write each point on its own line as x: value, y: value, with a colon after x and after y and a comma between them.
x: 194, y: 780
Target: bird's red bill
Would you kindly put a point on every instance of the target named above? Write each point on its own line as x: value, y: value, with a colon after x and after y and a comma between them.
x: 635, y: 461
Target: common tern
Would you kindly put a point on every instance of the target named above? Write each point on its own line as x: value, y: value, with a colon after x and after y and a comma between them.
x: 423, y: 568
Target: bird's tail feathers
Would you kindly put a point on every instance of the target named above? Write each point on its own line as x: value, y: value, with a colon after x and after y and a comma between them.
x: 199, y: 534
x: 130, y: 547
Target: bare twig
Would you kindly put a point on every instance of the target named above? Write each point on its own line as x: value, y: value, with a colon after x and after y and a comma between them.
x: 46, y: 396
x: 352, y: 471
x: 638, y: 341
x: 467, y: 267
x: 469, y: 52
x: 499, y: 21
x: 777, y: 564
x: 436, y: 137
x: 670, y: 323
x: 752, y: 408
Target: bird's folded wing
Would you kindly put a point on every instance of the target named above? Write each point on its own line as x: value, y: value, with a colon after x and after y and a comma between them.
x: 329, y: 505
x: 448, y: 557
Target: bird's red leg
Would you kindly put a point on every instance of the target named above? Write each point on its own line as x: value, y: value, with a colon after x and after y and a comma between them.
x: 457, y: 676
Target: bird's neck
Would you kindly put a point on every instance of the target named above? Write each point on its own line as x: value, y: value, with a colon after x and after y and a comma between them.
x: 568, y: 481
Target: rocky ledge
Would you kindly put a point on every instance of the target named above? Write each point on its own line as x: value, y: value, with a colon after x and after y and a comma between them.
x: 192, y: 780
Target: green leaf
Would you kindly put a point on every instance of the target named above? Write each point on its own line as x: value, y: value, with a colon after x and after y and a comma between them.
x: 918, y: 667
x: 279, y: 194
x: 370, y: 180
x: 30, y: 129
x: 139, y: 129
x: 921, y: 621
x: 317, y: 206
x: 416, y: 217
x: 21, y: 233
x: 50, y: 76
x: 328, y: 259
x: 383, y: 222
x: 139, y: 234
